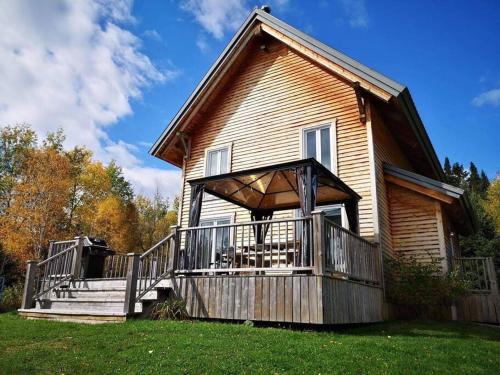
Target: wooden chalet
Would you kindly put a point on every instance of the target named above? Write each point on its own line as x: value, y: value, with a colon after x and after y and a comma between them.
x: 302, y: 170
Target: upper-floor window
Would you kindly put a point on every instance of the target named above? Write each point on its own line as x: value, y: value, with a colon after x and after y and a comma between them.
x: 217, y: 161
x: 318, y: 143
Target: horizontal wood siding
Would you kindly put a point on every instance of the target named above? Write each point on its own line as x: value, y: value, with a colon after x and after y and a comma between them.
x: 294, y: 299
x: 414, y: 224
x: 260, y: 113
x: 350, y: 302
x: 386, y: 150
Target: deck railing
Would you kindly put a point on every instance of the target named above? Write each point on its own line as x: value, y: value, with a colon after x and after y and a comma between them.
x: 63, y: 265
x: 115, y: 266
x: 479, y: 272
x: 350, y: 255
x: 154, y: 264
x: 239, y: 248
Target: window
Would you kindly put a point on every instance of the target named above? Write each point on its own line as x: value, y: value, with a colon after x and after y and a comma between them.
x: 217, y: 161
x: 317, y: 143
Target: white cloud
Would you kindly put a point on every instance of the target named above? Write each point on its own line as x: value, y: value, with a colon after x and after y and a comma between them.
x: 72, y: 64
x: 217, y: 16
x: 202, y: 44
x: 153, y: 34
x: 491, y: 97
x: 355, y: 10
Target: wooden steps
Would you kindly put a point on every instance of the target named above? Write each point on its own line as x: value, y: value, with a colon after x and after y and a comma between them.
x: 89, y: 301
x: 89, y: 316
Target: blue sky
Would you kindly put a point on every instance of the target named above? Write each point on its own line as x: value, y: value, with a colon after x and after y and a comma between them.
x: 446, y: 52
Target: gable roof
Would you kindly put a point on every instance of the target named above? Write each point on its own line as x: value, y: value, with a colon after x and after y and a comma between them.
x: 452, y: 195
x: 386, y: 88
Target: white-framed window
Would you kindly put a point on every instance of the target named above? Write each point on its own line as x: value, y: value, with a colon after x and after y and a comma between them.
x: 319, y: 142
x: 217, y: 161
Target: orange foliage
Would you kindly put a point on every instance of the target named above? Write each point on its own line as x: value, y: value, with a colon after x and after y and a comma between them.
x: 37, y: 207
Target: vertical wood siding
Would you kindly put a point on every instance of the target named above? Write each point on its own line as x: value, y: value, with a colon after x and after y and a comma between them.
x: 293, y: 299
x: 306, y: 299
x: 261, y: 111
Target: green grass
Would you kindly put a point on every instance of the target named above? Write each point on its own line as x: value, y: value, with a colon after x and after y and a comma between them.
x: 148, y: 347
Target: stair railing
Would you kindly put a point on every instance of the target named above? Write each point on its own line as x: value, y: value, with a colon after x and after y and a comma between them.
x: 147, y: 270
x: 64, y: 265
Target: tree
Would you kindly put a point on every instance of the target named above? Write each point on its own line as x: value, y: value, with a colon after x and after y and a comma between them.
x: 447, y: 170
x: 492, y: 202
x: 15, y: 142
x: 116, y: 222
x: 37, y: 208
x: 119, y: 185
x: 485, y: 182
x: 474, y: 181
x: 155, y: 217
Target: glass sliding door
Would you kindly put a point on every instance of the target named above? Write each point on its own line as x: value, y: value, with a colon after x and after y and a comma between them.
x: 214, y: 244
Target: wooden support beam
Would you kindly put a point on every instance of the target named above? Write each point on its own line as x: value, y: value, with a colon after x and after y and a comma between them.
x: 419, y: 189
x: 29, y: 289
x: 319, y: 247
x: 131, y: 288
x: 361, y: 102
x: 76, y: 264
x: 174, y: 249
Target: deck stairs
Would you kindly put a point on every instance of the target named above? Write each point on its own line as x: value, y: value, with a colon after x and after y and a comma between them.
x: 92, y: 301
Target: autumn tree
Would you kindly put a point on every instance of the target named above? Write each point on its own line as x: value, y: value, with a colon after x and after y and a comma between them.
x: 37, y: 208
x: 492, y: 202
x: 155, y: 217
x: 116, y: 222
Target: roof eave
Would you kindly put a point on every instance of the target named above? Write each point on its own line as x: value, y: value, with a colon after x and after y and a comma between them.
x: 384, y: 83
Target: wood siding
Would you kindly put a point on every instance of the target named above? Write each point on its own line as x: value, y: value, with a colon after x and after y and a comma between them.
x: 350, y: 302
x: 386, y: 151
x: 414, y: 224
x: 261, y: 112
x: 478, y: 307
x: 303, y: 299
x: 294, y: 299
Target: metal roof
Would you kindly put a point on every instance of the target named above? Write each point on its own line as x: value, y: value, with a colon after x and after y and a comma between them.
x: 452, y: 191
x: 274, y: 187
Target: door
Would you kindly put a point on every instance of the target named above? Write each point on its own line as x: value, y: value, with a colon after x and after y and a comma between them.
x: 214, y: 244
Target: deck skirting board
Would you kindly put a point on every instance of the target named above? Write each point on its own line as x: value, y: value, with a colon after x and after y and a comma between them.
x: 307, y: 299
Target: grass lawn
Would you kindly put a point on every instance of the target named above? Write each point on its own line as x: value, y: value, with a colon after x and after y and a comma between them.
x: 148, y: 347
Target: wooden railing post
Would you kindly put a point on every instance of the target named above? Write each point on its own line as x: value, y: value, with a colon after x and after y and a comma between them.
x: 319, y: 248
x: 131, y: 286
x: 490, y: 266
x: 76, y: 264
x: 29, y: 290
x: 174, y: 250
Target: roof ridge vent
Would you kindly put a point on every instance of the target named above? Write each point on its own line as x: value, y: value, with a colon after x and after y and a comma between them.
x: 266, y: 8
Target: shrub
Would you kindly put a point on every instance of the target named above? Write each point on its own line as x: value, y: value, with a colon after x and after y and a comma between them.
x: 171, y: 309
x: 11, y: 298
x: 421, y: 290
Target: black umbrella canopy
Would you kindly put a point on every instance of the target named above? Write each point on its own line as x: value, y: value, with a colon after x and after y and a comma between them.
x: 278, y: 187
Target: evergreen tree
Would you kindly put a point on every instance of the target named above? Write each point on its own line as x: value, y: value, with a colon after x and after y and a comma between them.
x: 484, y: 183
x: 474, y: 180
x: 447, y: 170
